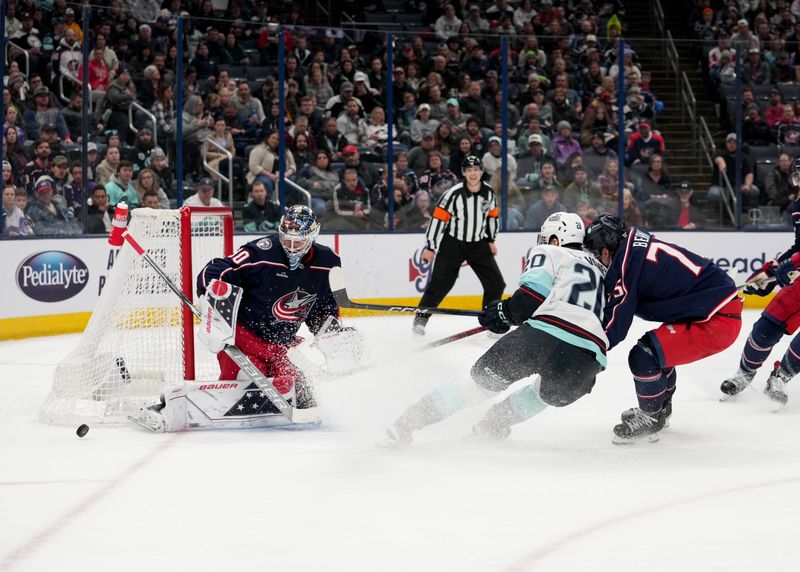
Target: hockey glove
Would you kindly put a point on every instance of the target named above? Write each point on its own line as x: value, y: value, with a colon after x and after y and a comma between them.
x: 760, y: 283
x: 784, y: 272
x: 494, y: 318
x: 344, y: 349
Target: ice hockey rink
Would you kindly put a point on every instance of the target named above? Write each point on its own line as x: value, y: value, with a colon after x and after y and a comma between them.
x: 720, y: 491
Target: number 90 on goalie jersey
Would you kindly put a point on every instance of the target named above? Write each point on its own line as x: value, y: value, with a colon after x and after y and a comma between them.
x: 571, y: 284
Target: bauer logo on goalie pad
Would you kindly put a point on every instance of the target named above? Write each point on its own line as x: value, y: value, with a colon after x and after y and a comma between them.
x: 294, y: 306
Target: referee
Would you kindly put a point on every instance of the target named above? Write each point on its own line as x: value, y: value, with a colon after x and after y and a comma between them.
x: 463, y: 228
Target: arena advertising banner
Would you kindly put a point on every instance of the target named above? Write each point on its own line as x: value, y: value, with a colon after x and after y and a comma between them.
x: 54, y: 278
x: 384, y: 266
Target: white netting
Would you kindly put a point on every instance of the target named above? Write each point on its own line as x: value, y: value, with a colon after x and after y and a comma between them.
x: 134, y: 342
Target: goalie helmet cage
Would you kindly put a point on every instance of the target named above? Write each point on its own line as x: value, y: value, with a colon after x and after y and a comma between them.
x: 140, y: 336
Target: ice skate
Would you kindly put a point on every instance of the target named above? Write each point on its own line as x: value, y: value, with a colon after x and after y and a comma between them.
x: 398, y: 435
x: 629, y: 414
x: 735, y: 385
x: 640, y: 426
x: 487, y: 431
x: 150, y: 418
x: 420, y: 321
x: 776, y: 387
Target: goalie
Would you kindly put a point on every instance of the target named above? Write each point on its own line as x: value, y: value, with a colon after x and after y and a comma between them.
x: 257, y: 299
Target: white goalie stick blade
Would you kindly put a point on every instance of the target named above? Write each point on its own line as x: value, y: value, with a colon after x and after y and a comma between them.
x: 338, y: 283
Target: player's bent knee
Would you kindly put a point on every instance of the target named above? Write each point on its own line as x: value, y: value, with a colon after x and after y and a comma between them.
x: 563, y: 392
x: 485, y: 377
x: 643, y: 360
x: 767, y: 332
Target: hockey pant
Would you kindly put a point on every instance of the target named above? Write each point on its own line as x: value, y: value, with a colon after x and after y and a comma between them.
x: 653, y: 359
x: 271, y: 359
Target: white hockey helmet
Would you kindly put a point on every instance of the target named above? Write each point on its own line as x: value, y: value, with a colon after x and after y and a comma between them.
x: 568, y: 228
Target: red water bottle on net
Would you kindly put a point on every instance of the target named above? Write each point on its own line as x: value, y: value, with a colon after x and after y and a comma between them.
x: 118, y: 225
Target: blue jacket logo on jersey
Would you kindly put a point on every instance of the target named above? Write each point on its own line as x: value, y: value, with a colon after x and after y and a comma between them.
x: 294, y: 306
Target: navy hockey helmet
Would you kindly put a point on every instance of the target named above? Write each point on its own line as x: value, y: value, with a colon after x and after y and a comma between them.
x: 794, y: 174
x: 297, y: 231
x: 471, y: 161
x: 607, y: 231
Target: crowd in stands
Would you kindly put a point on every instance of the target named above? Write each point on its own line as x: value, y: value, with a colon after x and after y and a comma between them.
x: 561, y: 135
x: 766, y: 36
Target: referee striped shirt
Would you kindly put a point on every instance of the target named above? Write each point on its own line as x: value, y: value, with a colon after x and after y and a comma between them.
x: 465, y: 216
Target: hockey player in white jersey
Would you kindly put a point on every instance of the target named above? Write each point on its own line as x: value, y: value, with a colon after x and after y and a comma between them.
x: 558, y: 308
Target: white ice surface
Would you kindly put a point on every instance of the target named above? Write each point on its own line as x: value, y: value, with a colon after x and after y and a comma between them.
x: 720, y: 491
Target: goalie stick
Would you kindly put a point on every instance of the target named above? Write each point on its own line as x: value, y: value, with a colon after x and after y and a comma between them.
x: 253, y: 374
x: 338, y: 284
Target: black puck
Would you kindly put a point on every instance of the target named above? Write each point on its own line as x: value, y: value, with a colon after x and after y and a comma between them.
x: 82, y: 430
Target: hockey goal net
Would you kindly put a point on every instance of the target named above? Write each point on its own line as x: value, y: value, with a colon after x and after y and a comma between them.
x: 140, y: 336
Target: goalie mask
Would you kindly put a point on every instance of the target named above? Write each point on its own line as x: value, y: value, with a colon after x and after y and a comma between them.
x: 566, y: 227
x: 794, y: 174
x: 297, y: 232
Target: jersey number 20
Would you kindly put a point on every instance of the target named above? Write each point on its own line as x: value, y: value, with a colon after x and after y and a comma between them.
x: 587, y: 288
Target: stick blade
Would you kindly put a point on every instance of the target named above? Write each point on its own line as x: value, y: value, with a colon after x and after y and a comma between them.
x: 312, y: 415
x: 337, y: 279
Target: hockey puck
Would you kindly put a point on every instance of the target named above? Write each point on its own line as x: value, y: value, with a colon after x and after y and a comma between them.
x: 82, y: 430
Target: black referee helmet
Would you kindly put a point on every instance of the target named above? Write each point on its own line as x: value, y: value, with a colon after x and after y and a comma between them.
x: 471, y: 161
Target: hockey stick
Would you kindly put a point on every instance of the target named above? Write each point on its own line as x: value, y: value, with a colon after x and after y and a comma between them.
x: 412, y: 353
x: 338, y: 284
x: 253, y: 374
x: 762, y: 279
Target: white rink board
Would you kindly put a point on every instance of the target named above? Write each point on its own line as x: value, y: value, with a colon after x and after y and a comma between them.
x: 377, y: 265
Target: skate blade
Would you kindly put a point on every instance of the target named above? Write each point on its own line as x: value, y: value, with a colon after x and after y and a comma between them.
x: 729, y: 398
x: 392, y: 442
x: 622, y: 441
x: 776, y: 405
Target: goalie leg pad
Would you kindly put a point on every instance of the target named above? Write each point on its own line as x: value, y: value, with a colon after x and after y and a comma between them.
x: 213, y: 405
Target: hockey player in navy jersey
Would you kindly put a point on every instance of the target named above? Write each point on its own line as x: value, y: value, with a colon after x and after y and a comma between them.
x: 560, y: 337
x: 781, y: 316
x: 697, y: 302
x: 257, y: 299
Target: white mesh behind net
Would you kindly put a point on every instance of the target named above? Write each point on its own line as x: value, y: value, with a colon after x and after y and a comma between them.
x: 133, y: 343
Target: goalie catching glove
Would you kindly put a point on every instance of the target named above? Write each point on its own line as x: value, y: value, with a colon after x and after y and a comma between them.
x: 343, y: 348
x: 219, y: 308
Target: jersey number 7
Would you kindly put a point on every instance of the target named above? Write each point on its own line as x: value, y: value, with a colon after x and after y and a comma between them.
x: 655, y: 247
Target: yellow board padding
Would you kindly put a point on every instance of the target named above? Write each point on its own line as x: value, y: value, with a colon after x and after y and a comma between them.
x: 37, y: 326
x: 757, y: 302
